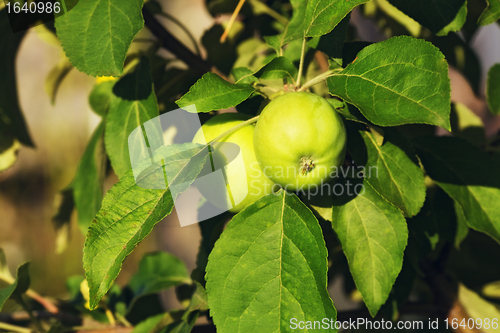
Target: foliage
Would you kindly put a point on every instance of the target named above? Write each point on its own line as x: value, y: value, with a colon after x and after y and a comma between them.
x: 429, y: 198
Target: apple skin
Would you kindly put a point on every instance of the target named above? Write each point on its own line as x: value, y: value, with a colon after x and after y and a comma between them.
x: 257, y: 184
x: 299, y: 140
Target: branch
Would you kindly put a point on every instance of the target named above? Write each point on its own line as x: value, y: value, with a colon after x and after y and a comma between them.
x: 169, y: 42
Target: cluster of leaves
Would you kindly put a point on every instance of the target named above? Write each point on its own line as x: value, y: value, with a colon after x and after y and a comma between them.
x: 432, y: 199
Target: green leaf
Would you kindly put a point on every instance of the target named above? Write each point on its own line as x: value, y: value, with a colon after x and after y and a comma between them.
x: 269, y: 266
x: 278, y: 68
x: 244, y: 75
x: 158, y: 271
x: 56, y: 77
x: 466, y: 124
x: 479, y: 309
x: 212, y: 92
x: 9, y: 148
x: 312, y: 18
x: 96, y: 34
x: 130, y: 211
x: 468, y: 175
x: 101, y: 97
x: 333, y: 42
x: 89, y: 179
x: 457, y: 23
x: 491, y: 13
x: 391, y: 169
x: 373, y: 234
x: 433, y: 14
x: 493, y: 89
x: 11, y: 117
x: 390, y: 83
x: 20, y: 285
x: 133, y: 105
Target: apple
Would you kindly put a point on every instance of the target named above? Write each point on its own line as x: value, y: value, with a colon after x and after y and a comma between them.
x: 299, y: 140
x: 244, y: 179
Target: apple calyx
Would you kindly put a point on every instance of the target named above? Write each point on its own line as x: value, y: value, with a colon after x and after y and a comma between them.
x: 306, y: 165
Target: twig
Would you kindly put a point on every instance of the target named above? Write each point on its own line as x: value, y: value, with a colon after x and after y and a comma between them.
x: 318, y: 79
x: 169, y: 42
x: 13, y: 328
x: 42, y: 300
x: 231, y: 21
x: 301, y: 64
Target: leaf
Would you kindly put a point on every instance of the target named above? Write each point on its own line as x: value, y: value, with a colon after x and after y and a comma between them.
x: 244, y: 75
x: 129, y: 212
x: 269, y: 266
x: 322, y: 16
x: 391, y: 169
x: 468, y: 175
x: 389, y: 83
x: 457, y: 23
x: 20, y: 285
x: 278, y: 68
x: 479, y: 309
x: 89, y: 179
x: 9, y: 149
x: 491, y: 13
x: 333, y: 42
x: 493, y: 89
x: 133, y: 105
x: 212, y: 92
x: 101, y: 97
x: 11, y: 118
x: 433, y: 14
x: 56, y: 76
x: 158, y: 271
x: 96, y: 34
x: 466, y: 124
x: 373, y: 234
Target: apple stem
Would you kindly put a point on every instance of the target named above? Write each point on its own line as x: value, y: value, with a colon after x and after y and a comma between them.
x: 301, y: 65
x: 235, y: 128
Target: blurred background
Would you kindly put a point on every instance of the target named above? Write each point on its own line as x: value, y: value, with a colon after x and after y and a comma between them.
x: 29, y: 191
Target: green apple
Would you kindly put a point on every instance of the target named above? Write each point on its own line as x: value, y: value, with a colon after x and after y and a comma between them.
x: 299, y: 140
x: 245, y: 181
